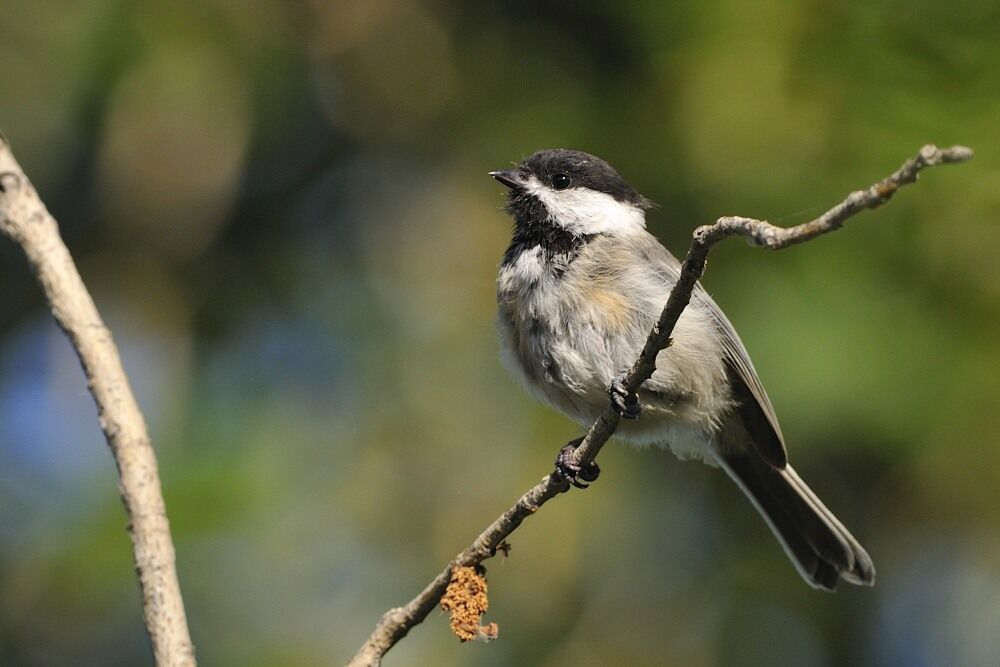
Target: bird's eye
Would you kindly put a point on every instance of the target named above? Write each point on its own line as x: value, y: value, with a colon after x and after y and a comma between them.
x: 560, y: 181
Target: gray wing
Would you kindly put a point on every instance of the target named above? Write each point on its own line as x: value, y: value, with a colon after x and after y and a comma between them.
x: 754, y: 405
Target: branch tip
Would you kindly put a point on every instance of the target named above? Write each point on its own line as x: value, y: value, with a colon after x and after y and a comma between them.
x: 958, y: 154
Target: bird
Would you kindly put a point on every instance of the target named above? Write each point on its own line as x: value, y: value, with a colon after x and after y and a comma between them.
x: 578, y: 290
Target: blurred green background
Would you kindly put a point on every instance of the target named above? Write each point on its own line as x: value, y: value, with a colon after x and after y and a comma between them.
x: 282, y: 210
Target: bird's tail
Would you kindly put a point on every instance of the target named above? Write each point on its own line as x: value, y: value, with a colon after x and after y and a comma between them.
x: 819, y: 546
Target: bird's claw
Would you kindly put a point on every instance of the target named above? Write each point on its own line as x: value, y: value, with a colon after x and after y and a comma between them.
x: 572, y: 472
x: 625, y: 403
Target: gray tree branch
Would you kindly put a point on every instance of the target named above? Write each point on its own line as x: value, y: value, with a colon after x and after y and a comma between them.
x: 761, y: 234
x: 25, y: 220
x: 395, y: 623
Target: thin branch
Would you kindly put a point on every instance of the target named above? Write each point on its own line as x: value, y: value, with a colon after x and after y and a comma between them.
x: 761, y: 234
x: 25, y: 220
x: 395, y: 623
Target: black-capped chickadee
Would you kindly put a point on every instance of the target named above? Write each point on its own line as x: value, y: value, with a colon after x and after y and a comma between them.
x: 578, y: 291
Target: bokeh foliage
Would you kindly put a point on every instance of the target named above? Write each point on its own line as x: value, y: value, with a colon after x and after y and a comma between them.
x: 283, y: 211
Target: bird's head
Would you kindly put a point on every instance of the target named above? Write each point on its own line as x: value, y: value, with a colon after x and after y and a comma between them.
x: 573, y: 191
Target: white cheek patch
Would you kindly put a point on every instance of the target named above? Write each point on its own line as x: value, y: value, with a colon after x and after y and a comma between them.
x: 585, y: 211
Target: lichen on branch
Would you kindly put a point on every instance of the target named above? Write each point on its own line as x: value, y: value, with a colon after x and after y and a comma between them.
x: 466, y: 599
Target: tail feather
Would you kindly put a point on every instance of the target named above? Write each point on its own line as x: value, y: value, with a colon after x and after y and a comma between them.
x: 819, y: 546
x: 863, y: 572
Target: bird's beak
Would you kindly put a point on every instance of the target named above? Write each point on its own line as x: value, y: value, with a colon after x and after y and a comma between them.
x: 510, y: 178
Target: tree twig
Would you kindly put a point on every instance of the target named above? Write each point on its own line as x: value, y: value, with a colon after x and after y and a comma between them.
x: 25, y: 220
x: 764, y: 235
x: 396, y: 622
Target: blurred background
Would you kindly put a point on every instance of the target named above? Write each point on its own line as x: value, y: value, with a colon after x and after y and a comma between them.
x: 283, y: 212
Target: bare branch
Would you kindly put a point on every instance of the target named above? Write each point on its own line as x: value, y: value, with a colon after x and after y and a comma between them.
x: 395, y: 623
x: 25, y: 220
x: 762, y: 234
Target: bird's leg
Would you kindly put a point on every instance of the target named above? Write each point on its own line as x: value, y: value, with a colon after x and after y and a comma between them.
x: 625, y: 403
x: 573, y: 472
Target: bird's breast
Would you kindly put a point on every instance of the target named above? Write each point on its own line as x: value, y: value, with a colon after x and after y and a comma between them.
x: 565, y: 334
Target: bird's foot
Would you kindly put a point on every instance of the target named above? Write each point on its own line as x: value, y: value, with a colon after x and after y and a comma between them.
x: 625, y: 403
x: 573, y: 472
